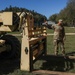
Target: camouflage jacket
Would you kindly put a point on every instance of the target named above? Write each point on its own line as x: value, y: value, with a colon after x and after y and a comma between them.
x: 59, y: 32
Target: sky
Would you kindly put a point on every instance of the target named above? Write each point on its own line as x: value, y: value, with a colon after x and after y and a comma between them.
x: 45, y: 7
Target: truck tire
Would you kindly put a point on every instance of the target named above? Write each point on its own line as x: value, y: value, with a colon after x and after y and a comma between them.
x: 15, y: 45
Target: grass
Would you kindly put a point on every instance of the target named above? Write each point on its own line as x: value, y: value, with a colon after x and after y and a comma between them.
x: 67, y: 30
x: 69, y: 44
x: 50, y: 65
x: 17, y: 32
x: 70, y: 29
x: 47, y: 65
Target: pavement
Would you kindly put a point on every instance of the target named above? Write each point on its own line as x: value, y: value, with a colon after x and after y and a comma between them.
x: 65, y: 34
x: 47, y: 34
x: 43, y: 72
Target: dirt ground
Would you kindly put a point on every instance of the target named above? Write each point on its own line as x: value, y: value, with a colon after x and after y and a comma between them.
x: 45, y: 72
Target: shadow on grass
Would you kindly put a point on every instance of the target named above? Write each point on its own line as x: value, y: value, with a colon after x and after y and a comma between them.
x: 57, y: 63
x: 71, y: 53
x: 51, y: 62
x: 8, y: 66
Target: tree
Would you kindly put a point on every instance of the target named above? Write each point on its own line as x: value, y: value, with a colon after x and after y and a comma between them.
x: 38, y: 18
x: 71, y: 11
x: 53, y: 17
x: 67, y: 14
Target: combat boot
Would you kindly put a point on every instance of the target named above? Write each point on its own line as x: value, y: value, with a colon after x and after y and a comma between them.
x: 56, y: 53
x: 63, y: 53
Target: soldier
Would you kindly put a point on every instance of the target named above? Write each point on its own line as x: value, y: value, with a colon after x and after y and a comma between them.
x: 59, y: 36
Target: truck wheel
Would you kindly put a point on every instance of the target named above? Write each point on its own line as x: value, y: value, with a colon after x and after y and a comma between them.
x: 13, y: 47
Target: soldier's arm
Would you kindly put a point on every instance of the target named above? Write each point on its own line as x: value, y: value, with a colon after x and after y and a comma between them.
x: 46, y: 25
x: 49, y: 26
x: 53, y: 27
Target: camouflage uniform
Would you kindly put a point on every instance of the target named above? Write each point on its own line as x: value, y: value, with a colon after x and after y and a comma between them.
x: 59, y: 35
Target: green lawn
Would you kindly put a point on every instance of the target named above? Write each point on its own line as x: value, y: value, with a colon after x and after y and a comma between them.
x: 69, y: 48
x: 67, y: 30
x: 69, y: 44
x: 51, y: 65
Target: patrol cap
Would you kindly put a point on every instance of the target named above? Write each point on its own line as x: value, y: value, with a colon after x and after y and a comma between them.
x: 60, y: 20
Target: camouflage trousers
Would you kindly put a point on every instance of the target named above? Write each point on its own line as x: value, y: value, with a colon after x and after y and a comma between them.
x: 59, y: 44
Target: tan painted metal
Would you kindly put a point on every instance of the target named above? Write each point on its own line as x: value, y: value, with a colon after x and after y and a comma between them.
x: 25, y: 59
x: 7, y: 28
x: 2, y: 42
x: 1, y: 20
x: 7, y: 18
x: 2, y: 46
x: 30, y: 37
